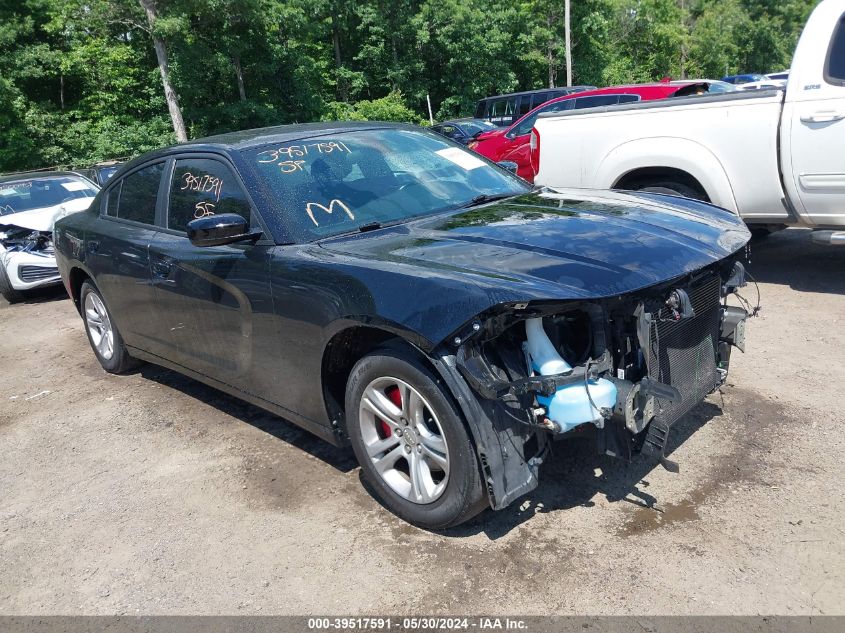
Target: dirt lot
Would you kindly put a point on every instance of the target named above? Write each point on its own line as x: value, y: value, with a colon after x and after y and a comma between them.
x: 150, y: 493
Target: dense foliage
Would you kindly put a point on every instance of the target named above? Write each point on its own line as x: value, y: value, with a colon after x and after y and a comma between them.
x: 80, y: 80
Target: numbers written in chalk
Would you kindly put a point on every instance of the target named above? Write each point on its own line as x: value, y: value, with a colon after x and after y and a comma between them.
x: 290, y: 159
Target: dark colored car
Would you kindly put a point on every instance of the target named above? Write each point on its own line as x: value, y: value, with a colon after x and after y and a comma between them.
x: 507, y: 108
x: 463, y: 130
x: 102, y: 172
x: 744, y: 79
x: 384, y: 287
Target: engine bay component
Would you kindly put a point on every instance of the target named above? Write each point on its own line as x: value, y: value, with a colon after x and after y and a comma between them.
x: 573, y: 404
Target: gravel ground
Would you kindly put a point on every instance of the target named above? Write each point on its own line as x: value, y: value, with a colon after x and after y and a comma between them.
x: 151, y: 493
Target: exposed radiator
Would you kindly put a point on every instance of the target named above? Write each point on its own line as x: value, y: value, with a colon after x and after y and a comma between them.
x: 683, y: 353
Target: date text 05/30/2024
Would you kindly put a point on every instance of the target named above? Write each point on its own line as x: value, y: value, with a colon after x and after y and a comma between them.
x: 414, y: 624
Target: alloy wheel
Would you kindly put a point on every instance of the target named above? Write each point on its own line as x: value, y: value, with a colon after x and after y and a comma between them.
x: 99, y: 325
x: 404, y: 440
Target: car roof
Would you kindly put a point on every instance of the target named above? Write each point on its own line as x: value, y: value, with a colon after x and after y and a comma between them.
x: 31, y: 175
x: 568, y: 89
x: 244, y: 139
x: 256, y: 137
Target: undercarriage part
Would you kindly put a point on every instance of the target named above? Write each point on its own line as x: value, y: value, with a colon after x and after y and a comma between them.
x: 828, y: 238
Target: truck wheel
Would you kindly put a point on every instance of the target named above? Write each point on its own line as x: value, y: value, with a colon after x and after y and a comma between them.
x: 674, y: 189
x: 9, y: 293
x: 412, y: 445
x: 102, y: 334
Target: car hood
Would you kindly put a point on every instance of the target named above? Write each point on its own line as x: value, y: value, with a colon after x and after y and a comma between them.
x: 43, y: 219
x: 559, y: 243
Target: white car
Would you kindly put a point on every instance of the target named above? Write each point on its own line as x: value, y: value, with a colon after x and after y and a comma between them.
x: 774, y: 157
x: 29, y: 205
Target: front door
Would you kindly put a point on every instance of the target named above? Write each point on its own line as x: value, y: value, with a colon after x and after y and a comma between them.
x: 814, y: 120
x: 215, y: 301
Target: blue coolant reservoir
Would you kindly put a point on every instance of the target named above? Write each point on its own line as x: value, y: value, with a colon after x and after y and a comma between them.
x: 570, y: 405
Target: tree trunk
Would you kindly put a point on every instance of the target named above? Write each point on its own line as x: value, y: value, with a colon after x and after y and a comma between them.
x: 568, y: 45
x: 161, y: 55
x: 338, y: 60
x: 239, y: 73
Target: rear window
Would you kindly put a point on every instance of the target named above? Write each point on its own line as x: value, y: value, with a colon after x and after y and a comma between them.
x: 27, y: 194
x: 138, y: 194
x: 835, y: 67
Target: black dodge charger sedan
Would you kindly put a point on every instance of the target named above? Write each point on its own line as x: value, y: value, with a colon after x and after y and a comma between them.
x: 383, y: 287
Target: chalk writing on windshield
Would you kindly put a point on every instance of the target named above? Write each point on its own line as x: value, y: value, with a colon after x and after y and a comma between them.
x: 6, y: 210
x: 205, y: 183
x: 309, y: 209
x: 203, y: 209
x: 291, y: 158
x: 16, y: 185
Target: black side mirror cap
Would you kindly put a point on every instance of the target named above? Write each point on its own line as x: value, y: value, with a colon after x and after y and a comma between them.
x: 217, y: 230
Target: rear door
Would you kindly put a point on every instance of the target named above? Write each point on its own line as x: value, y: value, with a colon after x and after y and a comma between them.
x: 813, y: 127
x: 118, y: 254
x: 215, y: 300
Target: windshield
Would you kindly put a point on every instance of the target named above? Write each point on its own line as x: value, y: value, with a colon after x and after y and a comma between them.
x: 37, y: 193
x: 329, y: 185
x: 477, y: 127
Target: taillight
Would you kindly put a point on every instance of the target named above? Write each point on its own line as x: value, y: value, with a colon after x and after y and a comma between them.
x: 535, y: 151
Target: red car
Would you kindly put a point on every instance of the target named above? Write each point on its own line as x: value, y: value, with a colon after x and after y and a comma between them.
x: 512, y: 143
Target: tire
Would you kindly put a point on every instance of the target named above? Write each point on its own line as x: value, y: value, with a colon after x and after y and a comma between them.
x: 113, y: 357
x: 9, y: 293
x: 674, y: 189
x: 442, y: 497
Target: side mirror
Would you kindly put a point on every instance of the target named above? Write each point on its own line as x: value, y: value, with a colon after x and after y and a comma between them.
x: 217, y: 230
x: 511, y: 166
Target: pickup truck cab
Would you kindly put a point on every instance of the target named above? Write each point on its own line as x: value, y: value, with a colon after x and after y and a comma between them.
x: 772, y: 156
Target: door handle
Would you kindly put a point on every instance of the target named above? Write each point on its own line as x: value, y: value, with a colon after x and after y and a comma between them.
x: 823, y: 116
x: 162, y: 267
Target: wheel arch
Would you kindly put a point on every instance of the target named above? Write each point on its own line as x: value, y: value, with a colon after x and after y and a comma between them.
x: 652, y: 158
x: 346, y: 347
x: 76, y: 277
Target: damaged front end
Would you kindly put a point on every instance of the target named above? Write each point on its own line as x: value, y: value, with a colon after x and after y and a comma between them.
x: 27, y: 257
x: 621, y: 370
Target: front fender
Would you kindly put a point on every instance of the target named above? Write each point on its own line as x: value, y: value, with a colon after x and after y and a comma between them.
x: 677, y: 153
x: 505, y: 473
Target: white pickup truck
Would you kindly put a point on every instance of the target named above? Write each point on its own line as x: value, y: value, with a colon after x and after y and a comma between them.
x: 775, y: 157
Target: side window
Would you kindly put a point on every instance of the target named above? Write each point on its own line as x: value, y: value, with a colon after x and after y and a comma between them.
x: 201, y: 187
x: 596, y: 101
x: 524, y: 105
x: 628, y: 98
x: 450, y: 131
x: 138, y: 194
x: 113, y: 199
x: 834, y: 71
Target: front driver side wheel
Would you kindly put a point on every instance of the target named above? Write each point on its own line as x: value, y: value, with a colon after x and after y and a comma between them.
x: 411, y: 442
x: 102, y: 334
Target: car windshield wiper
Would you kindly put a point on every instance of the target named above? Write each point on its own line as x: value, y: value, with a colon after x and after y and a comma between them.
x: 484, y: 198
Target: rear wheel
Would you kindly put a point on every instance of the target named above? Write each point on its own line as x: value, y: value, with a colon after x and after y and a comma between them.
x: 9, y: 293
x: 102, y: 334
x: 413, y: 447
